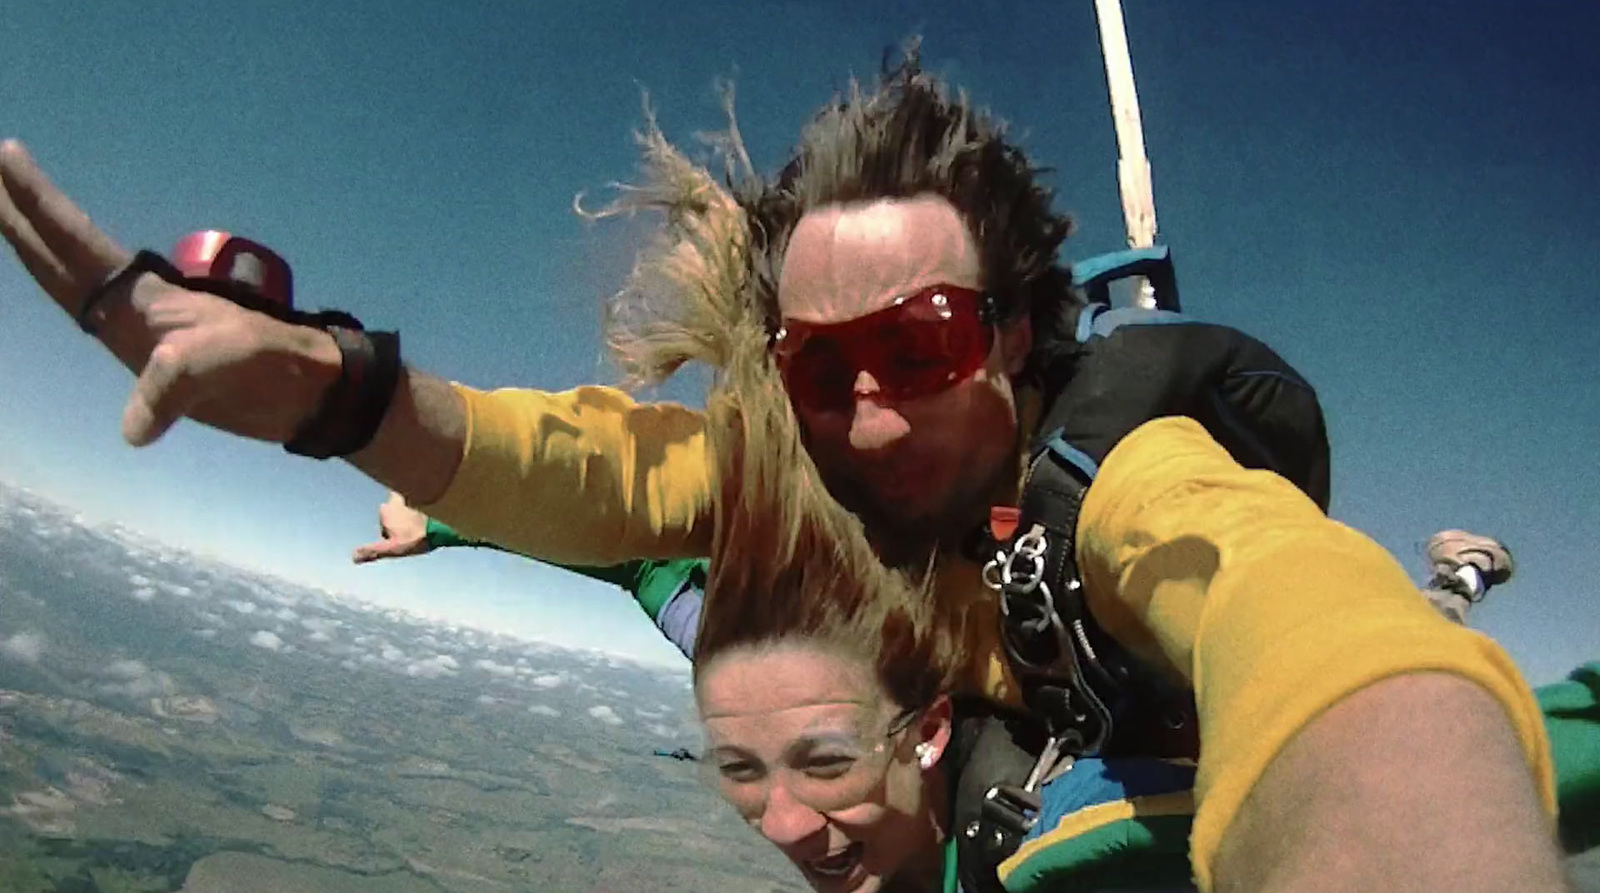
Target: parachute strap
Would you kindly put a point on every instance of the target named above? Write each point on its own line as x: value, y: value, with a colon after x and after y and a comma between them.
x: 1154, y: 264
x: 1044, y: 621
x: 1087, y: 689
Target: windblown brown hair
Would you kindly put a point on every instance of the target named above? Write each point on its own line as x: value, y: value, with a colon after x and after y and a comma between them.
x: 719, y: 256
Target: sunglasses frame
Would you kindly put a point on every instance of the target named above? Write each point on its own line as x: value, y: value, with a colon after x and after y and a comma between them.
x: 988, y: 317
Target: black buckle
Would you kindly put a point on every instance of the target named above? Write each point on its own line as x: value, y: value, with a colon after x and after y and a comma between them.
x: 1009, y: 812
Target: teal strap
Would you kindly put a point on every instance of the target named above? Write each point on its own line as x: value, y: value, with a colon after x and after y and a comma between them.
x: 952, y: 877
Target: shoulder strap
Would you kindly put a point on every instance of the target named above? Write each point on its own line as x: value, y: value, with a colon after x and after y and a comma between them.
x: 1087, y: 689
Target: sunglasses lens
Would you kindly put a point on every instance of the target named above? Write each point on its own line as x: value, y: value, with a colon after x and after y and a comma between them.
x: 925, y: 355
x: 920, y: 346
x: 819, y: 374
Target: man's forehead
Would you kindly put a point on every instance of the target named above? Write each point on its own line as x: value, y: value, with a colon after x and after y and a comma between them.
x: 846, y: 260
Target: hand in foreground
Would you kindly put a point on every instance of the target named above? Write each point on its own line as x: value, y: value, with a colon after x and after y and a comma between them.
x: 194, y: 354
x: 403, y: 531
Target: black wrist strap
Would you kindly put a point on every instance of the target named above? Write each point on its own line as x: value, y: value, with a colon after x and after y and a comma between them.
x: 355, y: 405
x: 143, y: 262
x: 369, y: 372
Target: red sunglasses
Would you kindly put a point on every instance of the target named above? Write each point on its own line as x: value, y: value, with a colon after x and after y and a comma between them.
x: 923, y: 343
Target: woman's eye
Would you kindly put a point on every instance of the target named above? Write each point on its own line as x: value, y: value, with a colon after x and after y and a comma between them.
x: 738, y: 771
x: 829, y: 766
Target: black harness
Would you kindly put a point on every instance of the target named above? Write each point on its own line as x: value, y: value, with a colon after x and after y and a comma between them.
x: 1084, y: 694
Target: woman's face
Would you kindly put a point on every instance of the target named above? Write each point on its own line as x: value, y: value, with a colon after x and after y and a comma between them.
x: 809, y: 748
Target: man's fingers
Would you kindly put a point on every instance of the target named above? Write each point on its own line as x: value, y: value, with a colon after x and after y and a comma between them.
x: 51, y: 274
x: 368, y: 553
x: 163, y: 393
x: 87, y: 254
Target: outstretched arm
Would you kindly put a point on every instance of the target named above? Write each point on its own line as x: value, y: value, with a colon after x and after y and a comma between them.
x: 199, y: 355
x: 615, y: 479
x: 669, y: 591
x: 1351, y: 737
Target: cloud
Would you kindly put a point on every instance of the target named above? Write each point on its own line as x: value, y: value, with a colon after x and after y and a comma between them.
x: 494, y: 669
x: 606, y: 715
x: 126, y: 669
x: 433, y: 667
x: 548, y: 680
x: 143, y: 593
x: 26, y: 647
x: 542, y: 710
x: 393, y: 654
x: 243, y: 607
x: 267, y: 640
x: 136, y: 680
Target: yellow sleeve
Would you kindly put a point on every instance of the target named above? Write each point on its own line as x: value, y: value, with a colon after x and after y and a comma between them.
x: 1273, y: 612
x: 582, y: 477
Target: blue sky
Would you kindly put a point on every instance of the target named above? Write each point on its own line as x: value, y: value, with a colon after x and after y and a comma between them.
x: 1402, y: 203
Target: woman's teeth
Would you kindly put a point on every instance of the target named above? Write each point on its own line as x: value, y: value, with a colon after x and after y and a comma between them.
x: 837, y: 864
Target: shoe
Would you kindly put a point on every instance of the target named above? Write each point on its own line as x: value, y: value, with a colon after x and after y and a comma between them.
x: 1451, y: 551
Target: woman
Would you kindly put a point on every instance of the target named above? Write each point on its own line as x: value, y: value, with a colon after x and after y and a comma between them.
x: 825, y: 718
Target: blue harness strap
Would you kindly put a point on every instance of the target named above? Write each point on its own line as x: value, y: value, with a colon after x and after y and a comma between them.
x: 1095, y: 275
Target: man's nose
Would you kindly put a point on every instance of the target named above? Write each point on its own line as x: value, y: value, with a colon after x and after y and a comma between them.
x: 874, y: 427
x: 786, y: 821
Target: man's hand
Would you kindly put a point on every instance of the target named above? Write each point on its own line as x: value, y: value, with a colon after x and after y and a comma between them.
x: 194, y: 354
x: 403, y: 531
x: 201, y: 356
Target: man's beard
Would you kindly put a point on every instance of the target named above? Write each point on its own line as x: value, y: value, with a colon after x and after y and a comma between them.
x: 911, y: 543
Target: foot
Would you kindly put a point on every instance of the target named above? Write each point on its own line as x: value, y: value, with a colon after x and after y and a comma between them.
x: 1466, y: 561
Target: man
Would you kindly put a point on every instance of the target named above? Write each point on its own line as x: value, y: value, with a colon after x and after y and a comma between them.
x: 934, y: 219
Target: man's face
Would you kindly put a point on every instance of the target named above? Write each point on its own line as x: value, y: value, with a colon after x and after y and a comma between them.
x: 927, y: 465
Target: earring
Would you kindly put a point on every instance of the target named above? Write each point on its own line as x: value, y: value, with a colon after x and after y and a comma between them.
x: 924, y: 752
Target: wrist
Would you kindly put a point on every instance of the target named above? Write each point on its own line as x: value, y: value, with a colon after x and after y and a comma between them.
x: 317, y: 364
x: 353, y: 407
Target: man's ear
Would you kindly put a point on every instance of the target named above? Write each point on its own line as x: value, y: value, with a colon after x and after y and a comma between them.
x: 1016, y: 343
x: 935, y: 729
